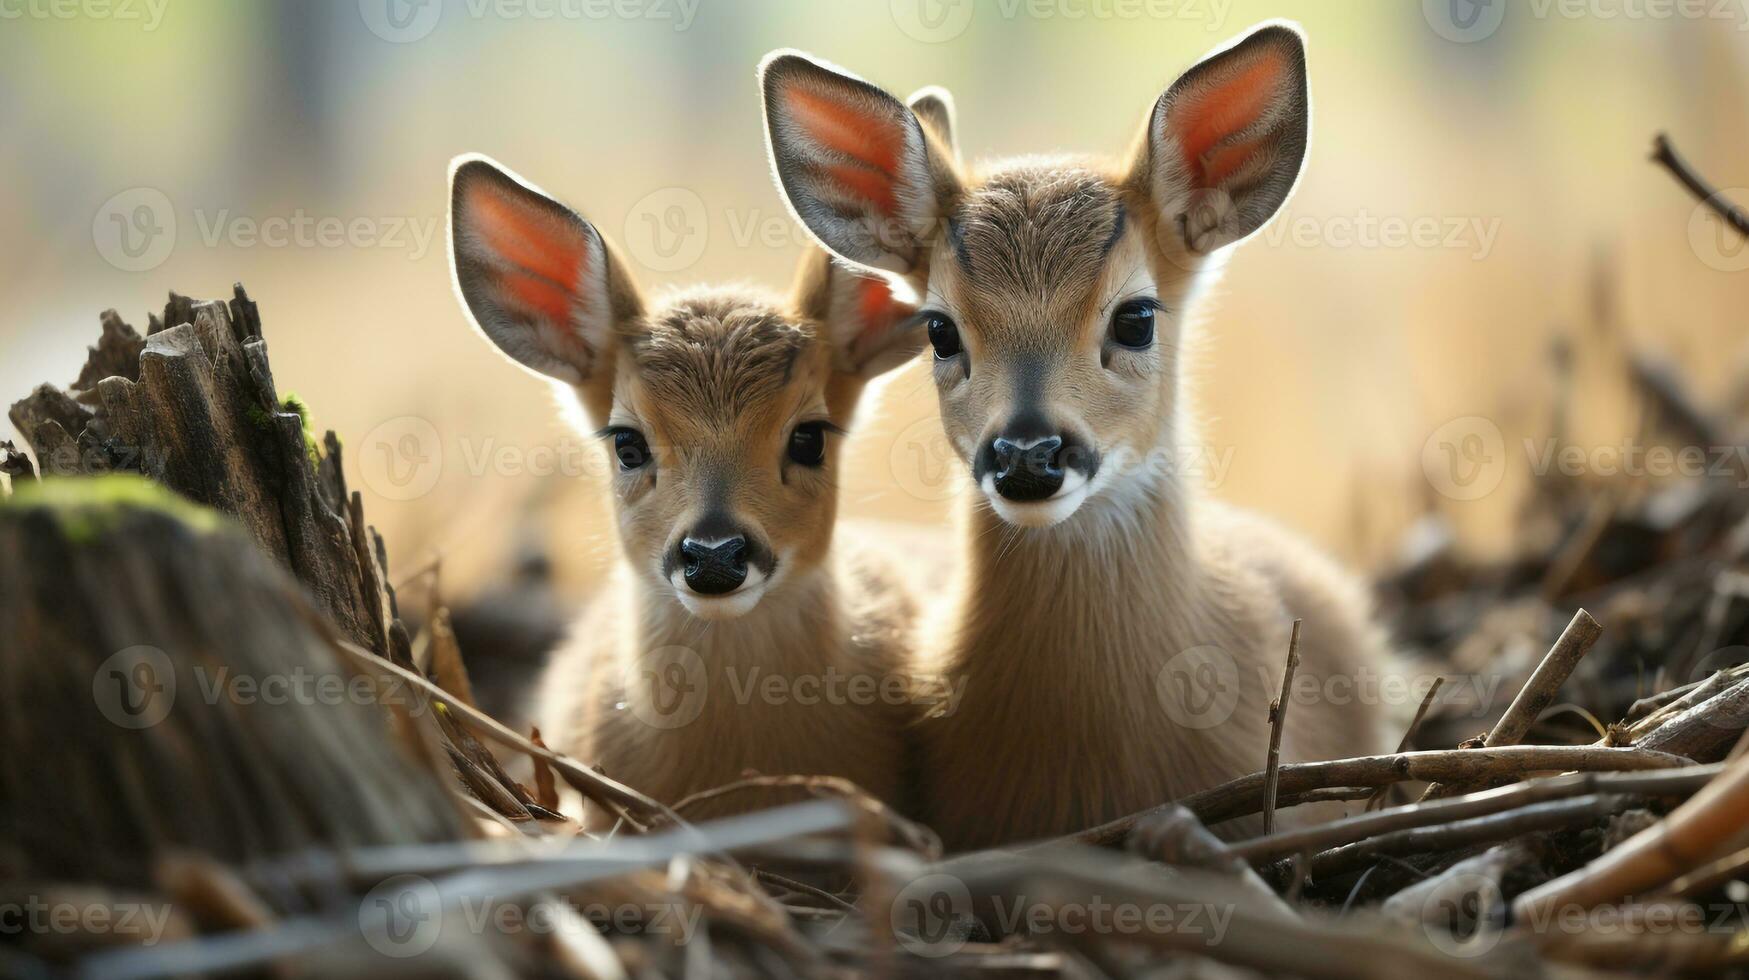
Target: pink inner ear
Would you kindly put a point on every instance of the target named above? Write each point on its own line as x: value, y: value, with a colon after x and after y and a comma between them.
x: 533, y: 294
x: 1226, y: 105
x: 539, y: 258
x: 875, y: 306
x: 873, y: 141
x: 877, y: 313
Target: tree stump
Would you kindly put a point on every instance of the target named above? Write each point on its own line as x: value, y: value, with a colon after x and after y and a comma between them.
x: 168, y: 687
x: 193, y: 406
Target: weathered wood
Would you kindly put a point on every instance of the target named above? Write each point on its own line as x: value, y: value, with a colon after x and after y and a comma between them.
x: 193, y: 405
x: 168, y: 687
x: 1244, y: 796
x: 117, y: 352
x: 1706, y: 730
x: 14, y: 464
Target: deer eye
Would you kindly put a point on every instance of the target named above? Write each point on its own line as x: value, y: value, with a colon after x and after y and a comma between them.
x: 629, y: 448
x: 944, y: 336
x: 807, y: 444
x: 1133, y: 323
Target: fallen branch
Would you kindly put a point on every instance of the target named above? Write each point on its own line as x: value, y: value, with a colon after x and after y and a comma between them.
x: 1652, y: 940
x: 1703, y: 731
x: 1672, y: 782
x: 913, y: 835
x: 1472, y: 883
x: 1694, y: 832
x: 1713, y: 874
x: 523, y: 872
x: 1048, y: 880
x: 1244, y: 796
x: 1178, y: 838
x: 1645, y: 707
x: 1647, y: 714
x: 1577, y: 811
x: 593, y: 785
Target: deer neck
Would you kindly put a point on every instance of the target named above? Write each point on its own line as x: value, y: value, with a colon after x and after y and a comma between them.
x: 797, y: 625
x: 1113, y: 583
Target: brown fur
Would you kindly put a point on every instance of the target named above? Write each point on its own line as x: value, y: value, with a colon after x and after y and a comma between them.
x: 666, y: 688
x: 715, y: 380
x: 1087, y: 646
x: 852, y: 616
x: 1061, y: 634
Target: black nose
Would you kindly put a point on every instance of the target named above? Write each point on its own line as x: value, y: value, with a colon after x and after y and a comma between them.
x: 715, y: 568
x: 1028, y: 470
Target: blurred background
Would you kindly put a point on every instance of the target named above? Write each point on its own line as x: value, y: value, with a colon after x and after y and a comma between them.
x: 1477, y: 249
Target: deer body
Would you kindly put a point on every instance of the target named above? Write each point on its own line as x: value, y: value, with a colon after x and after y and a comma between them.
x: 1076, y: 713
x: 735, y: 639
x: 1118, y: 637
x: 793, y: 687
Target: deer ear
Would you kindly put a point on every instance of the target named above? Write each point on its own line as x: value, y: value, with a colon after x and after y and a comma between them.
x: 934, y: 105
x: 537, y: 279
x: 853, y: 163
x: 1226, y: 142
x: 872, y: 330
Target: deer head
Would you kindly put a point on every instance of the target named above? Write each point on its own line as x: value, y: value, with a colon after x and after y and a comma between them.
x: 1054, y: 289
x: 721, y: 409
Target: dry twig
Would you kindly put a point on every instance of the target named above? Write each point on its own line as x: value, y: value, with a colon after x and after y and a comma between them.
x: 1671, y: 782
x: 1278, y: 721
x: 1244, y: 796
x: 1694, y: 832
x: 1377, y: 798
x: 590, y: 783
x: 1577, y: 811
x: 1665, y: 155
x: 1539, y: 691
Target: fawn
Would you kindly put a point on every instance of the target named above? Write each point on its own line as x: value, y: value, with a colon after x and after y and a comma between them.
x: 722, y: 410
x: 1118, y: 637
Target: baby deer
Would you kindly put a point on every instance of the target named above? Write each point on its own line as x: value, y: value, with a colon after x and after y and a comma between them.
x: 1118, y: 637
x: 734, y: 637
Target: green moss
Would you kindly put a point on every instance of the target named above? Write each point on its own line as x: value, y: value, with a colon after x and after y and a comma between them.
x: 262, y: 419
x: 89, y: 506
x: 294, y: 403
x: 297, y: 406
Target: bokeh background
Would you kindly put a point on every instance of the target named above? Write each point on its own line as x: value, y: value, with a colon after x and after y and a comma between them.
x: 1477, y: 193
